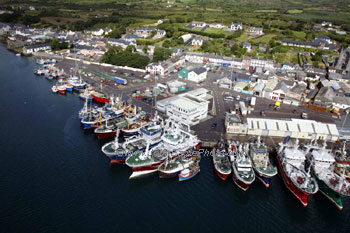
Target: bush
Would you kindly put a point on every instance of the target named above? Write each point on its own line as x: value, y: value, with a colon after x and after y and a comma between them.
x: 116, y: 56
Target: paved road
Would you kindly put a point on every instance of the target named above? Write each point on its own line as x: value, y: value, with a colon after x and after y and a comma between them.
x: 204, y: 130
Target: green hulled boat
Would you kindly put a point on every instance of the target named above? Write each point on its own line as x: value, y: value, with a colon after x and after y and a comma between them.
x: 331, y: 184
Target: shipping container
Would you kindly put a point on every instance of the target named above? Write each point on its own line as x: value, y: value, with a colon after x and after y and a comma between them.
x: 120, y: 80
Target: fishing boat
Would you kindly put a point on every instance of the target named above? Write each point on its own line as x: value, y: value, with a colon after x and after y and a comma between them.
x: 178, y: 137
x: 134, y: 144
x: 291, y: 163
x: 342, y: 161
x: 242, y: 170
x: 147, y: 162
x: 110, y: 128
x: 331, y: 184
x: 92, y: 121
x: 171, y: 168
x: 100, y: 97
x: 77, y: 83
x: 134, y: 121
x: 262, y: 166
x: 222, y: 166
x: 190, y: 172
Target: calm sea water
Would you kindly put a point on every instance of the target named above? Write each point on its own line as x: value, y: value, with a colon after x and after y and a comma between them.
x: 54, y: 178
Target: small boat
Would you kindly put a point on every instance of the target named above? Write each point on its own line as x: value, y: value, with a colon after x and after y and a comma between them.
x: 61, y: 89
x: 69, y: 87
x: 100, y: 97
x: 86, y: 95
x: 190, y: 172
x: 18, y: 54
x: 54, y: 89
x: 171, y: 168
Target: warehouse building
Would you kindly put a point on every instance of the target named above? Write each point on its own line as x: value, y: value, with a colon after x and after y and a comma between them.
x: 294, y: 128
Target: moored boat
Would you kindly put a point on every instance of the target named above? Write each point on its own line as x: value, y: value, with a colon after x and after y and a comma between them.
x: 242, y: 170
x: 171, y: 168
x: 221, y: 163
x: 190, y: 172
x: 291, y: 163
x: 331, y: 184
x: 262, y: 166
x: 144, y: 163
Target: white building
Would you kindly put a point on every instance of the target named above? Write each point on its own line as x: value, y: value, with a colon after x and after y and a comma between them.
x: 194, y: 74
x: 216, y: 25
x: 98, y: 32
x: 36, y: 48
x: 157, y: 68
x: 236, y: 26
x: 198, y: 24
x: 294, y: 128
x: 234, y: 125
x: 186, y: 37
x: 197, y: 42
x: 189, y: 108
x: 255, y: 31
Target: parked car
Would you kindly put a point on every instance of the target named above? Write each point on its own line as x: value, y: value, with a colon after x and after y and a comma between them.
x: 303, y: 115
x: 149, y: 100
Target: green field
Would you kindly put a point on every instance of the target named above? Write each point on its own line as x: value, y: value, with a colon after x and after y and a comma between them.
x: 242, y: 38
x: 264, y: 38
x: 295, y: 11
x: 215, y: 31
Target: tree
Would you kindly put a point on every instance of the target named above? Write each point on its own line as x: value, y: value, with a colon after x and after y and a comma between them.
x: 116, y: 56
x: 56, y: 44
x: 117, y: 32
x: 161, y: 54
x: 145, y: 49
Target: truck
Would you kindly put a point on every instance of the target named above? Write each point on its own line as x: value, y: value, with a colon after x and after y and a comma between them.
x: 120, y: 80
x: 243, y: 108
x: 252, y: 101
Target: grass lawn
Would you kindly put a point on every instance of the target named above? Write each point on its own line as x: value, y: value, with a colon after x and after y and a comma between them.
x: 242, y: 38
x: 264, y: 39
x: 295, y: 11
x: 215, y: 31
x: 197, y: 29
x: 299, y: 34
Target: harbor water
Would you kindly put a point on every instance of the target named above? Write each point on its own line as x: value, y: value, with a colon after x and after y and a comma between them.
x: 54, y: 178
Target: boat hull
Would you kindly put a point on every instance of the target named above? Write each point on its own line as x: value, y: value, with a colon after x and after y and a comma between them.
x: 331, y: 195
x: 182, y: 178
x: 105, y: 135
x: 301, y: 196
x: 264, y: 180
x: 100, y: 99
x: 239, y: 183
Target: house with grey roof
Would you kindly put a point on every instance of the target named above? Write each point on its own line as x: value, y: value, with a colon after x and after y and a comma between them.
x: 120, y: 43
x: 195, y: 74
x: 325, y: 97
x: 279, y: 92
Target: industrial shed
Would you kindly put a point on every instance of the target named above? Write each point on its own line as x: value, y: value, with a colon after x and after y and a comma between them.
x: 295, y: 128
